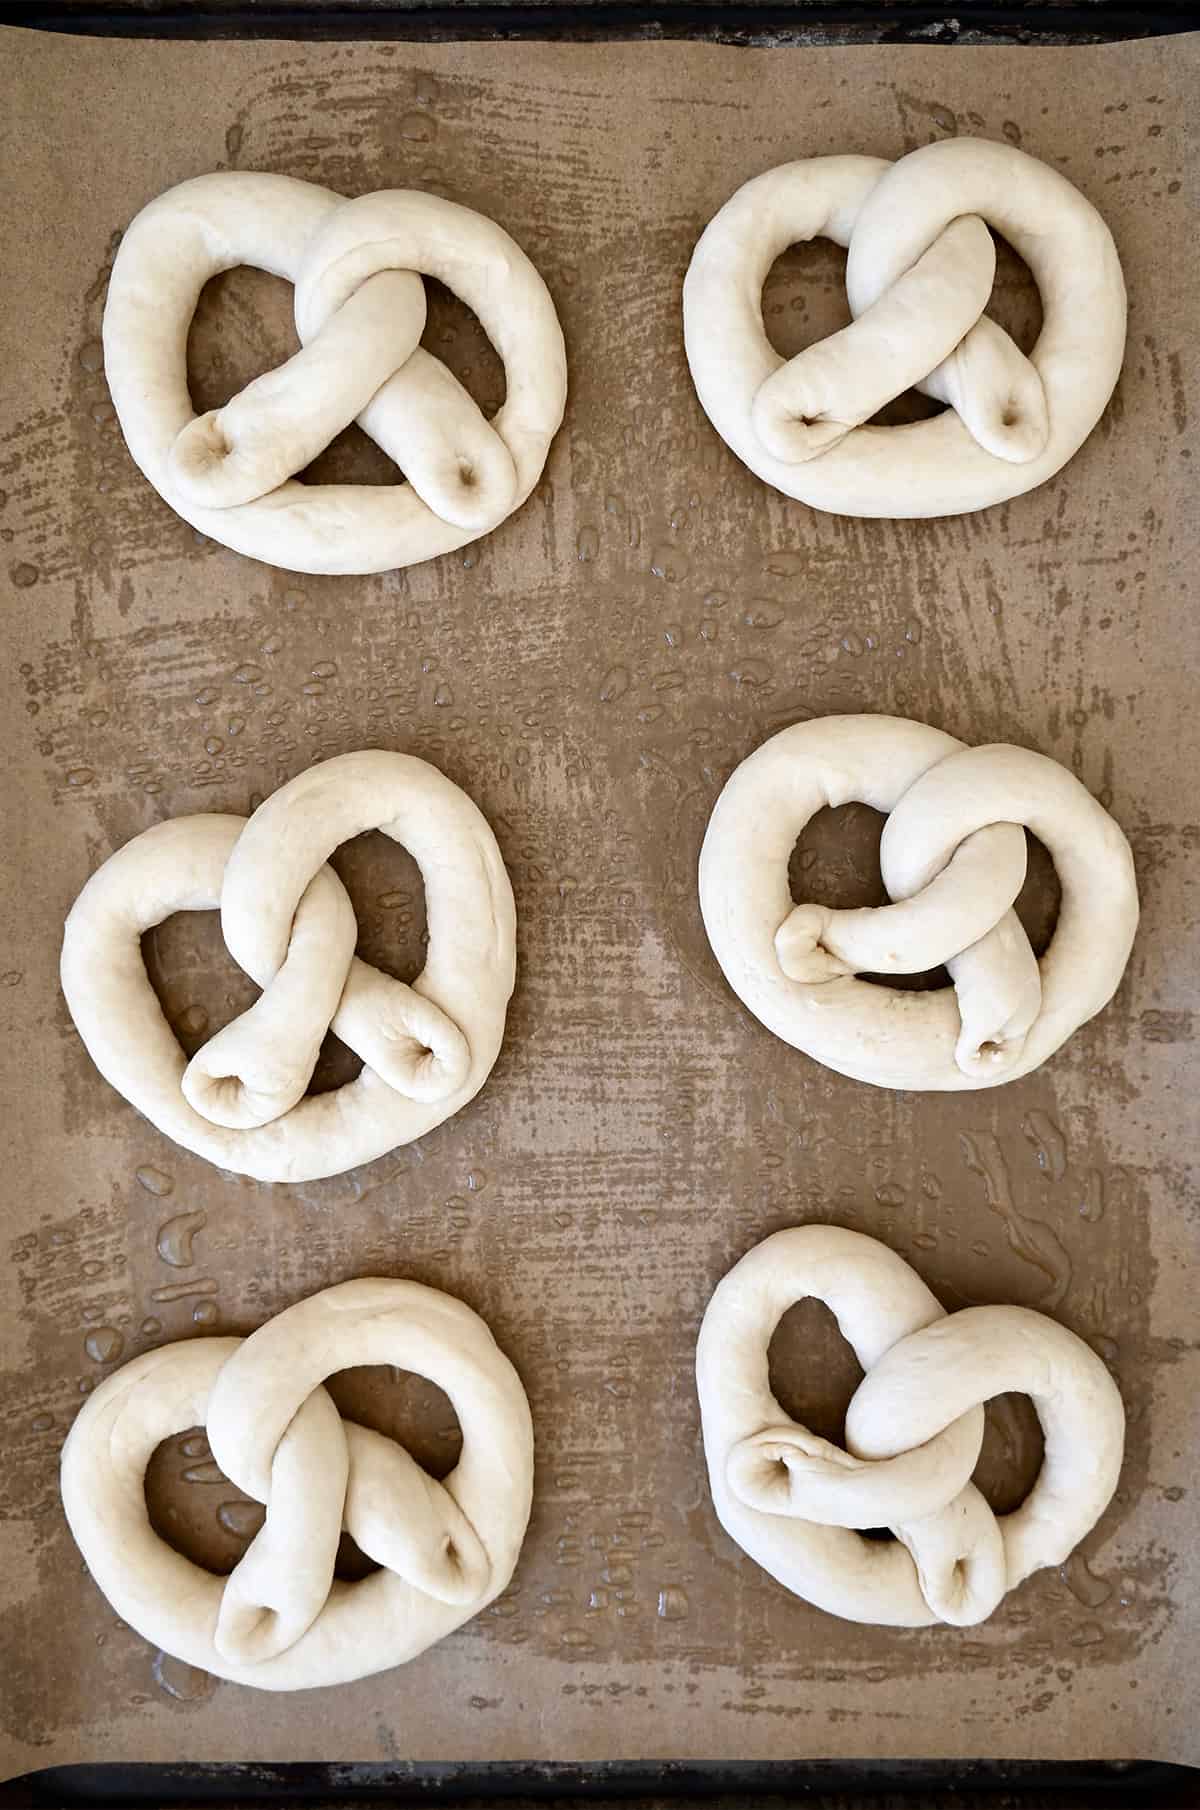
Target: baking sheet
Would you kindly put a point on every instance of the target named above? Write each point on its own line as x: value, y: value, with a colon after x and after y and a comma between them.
x: 590, y: 674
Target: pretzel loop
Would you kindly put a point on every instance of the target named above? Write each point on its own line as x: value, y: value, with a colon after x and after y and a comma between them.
x: 913, y: 1434
x: 288, y: 921
x: 919, y: 274
x: 360, y: 312
x: 953, y: 858
x: 281, y: 1621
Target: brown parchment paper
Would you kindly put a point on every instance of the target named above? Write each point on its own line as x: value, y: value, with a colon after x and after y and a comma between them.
x: 591, y: 673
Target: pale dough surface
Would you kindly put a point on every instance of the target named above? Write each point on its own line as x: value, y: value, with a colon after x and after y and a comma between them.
x: 281, y: 1621
x: 953, y: 859
x: 288, y: 921
x: 918, y: 277
x: 360, y: 312
x: 914, y: 1428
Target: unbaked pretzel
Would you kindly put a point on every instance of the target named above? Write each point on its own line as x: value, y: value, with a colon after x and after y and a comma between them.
x: 288, y: 921
x: 918, y: 277
x: 360, y: 312
x: 913, y: 1431
x: 281, y: 1621
x: 953, y: 857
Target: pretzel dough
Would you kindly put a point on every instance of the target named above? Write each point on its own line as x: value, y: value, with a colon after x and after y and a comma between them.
x: 281, y: 1622
x: 953, y: 857
x: 288, y: 921
x: 913, y: 1432
x: 919, y: 274
x: 360, y: 313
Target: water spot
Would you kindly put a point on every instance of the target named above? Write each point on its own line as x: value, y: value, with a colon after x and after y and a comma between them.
x: 418, y: 128
x: 672, y: 1603
x: 213, y: 744
x: 192, y: 1021
x: 242, y: 1519
x: 1083, y: 1584
x: 104, y: 1344
x: 151, y: 1327
x: 233, y: 140
x: 577, y: 1638
x: 186, y: 1683
x: 176, y: 1237
x: 324, y: 669
x: 1049, y: 1145
x: 750, y: 672
x: 614, y: 684
x: 890, y: 1194
x: 443, y: 696
x: 247, y: 674
x: 1091, y: 1207
x: 1031, y: 1239
x: 670, y: 564
x: 235, y: 725
x: 154, y: 1181
x: 13, y: 977
x: 477, y: 1180
x: 587, y: 545
x: 91, y: 356
x: 80, y: 776
x: 24, y: 575
x: 41, y: 1423
x: 204, y: 1313
x: 195, y: 1446
x: 1089, y: 1635
x: 177, y: 1291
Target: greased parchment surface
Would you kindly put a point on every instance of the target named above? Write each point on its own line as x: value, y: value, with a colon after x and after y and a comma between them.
x: 590, y: 674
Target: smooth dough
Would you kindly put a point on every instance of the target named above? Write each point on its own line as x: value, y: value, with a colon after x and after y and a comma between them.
x: 281, y: 1621
x: 913, y: 1431
x: 360, y: 312
x: 919, y: 274
x: 953, y: 857
x: 288, y: 921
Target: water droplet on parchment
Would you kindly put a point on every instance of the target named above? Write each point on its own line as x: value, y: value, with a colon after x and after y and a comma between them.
x: 587, y: 545
x: 104, y: 1344
x: 186, y: 1683
x: 1049, y: 1144
x: 1083, y: 1583
x: 672, y: 1603
x: 154, y: 1181
x: 175, y: 1238
x: 614, y: 684
x: 24, y: 576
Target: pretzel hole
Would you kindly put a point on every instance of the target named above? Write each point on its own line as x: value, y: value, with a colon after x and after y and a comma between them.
x: 243, y: 326
x: 835, y: 862
x: 1011, y: 1455
x: 407, y: 1408
x: 812, y: 1370
x: 1015, y: 302
x: 804, y: 300
x: 201, y: 988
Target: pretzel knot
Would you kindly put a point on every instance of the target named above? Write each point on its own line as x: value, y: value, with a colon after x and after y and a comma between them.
x: 281, y: 1621
x: 360, y: 313
x: 288, y: 921
x: 953, y: 858
x: 918, y: 277
x: 914, y: 1430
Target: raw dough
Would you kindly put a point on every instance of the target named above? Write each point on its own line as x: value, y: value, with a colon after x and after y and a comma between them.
x: 953, y: 854
x: 288, y: 921
x: 360, y: 313
x: 281, y: 1621
x: 914, y: 1429
x: 918, y: 278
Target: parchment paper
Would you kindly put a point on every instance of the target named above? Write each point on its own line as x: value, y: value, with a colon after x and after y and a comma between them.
x: 591, y: 673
